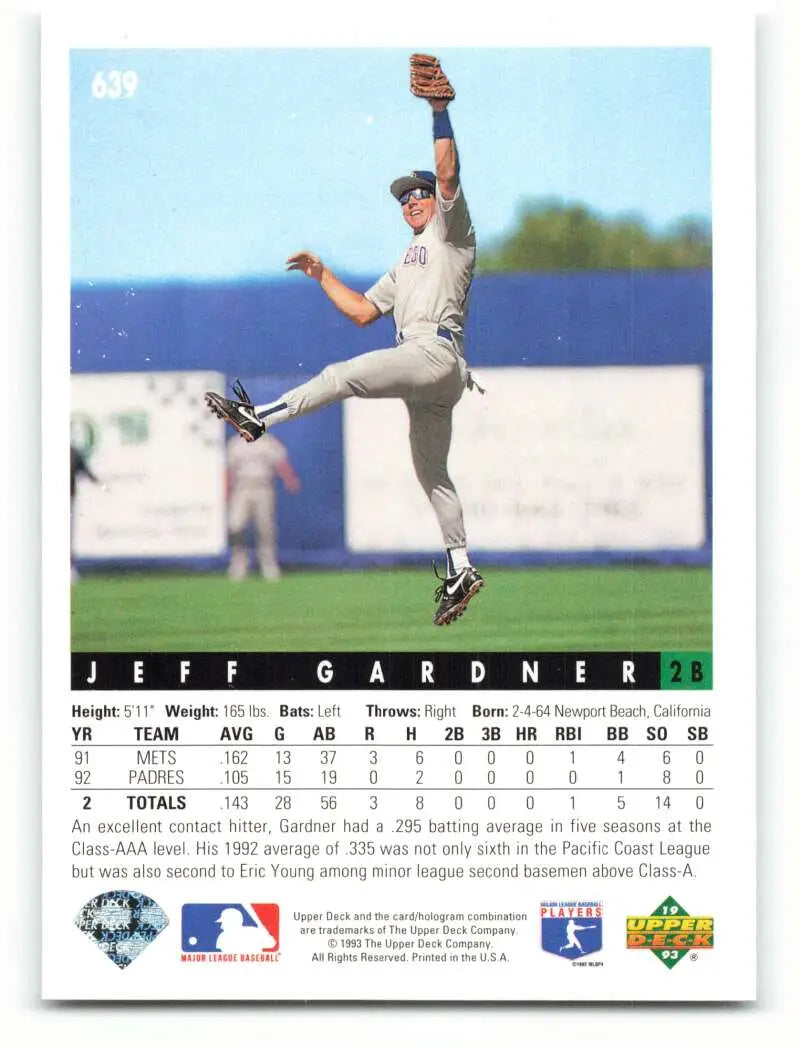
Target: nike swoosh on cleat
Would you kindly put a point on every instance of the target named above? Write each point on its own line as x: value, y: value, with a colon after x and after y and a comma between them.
x: 455, y: 612
x: 454, y: 589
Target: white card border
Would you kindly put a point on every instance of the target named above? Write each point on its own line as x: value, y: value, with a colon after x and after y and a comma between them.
x: 779, y: 174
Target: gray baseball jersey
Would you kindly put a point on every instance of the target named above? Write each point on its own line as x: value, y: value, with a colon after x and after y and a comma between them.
x: 426, y: 290
x: 430, y: 282
x: 254, y: 466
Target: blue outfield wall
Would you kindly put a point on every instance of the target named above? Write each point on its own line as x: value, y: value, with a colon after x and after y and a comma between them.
x: 274, y: 334
x: 287, y: 326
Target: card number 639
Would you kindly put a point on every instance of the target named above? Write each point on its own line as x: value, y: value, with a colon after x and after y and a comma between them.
x: 114, y: 84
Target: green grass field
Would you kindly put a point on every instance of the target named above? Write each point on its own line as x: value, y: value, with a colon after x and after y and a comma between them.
x: 524, y: 609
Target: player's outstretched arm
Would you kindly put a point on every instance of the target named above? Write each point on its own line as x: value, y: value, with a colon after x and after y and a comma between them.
x: 351, y: 303
x: 445, y: 153
x: 429, y: 81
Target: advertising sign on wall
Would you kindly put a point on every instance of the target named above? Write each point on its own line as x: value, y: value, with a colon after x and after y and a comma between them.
x: 552, y: 459
x: 158, y: 457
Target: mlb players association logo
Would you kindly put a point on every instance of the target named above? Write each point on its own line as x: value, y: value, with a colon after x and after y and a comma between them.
x: 230, y: 932
x: 572, y: 929
x: 121, y: 924
x: 669, y: 932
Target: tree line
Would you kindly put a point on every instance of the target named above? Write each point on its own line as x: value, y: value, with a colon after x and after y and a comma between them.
x: 550, y: 235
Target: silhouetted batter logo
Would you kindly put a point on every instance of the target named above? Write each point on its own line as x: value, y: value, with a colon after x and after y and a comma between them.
x: 572, y: 929
x: 121, y: 924
x: 670, y: 932
x: 232, y: 932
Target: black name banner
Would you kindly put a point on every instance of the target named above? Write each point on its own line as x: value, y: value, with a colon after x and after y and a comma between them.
x: 374, y: 672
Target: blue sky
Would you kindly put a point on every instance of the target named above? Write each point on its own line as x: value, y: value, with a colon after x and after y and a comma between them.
x: 221, y: 163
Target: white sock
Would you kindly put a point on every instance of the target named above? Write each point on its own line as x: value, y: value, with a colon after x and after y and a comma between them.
x: 457, y: 560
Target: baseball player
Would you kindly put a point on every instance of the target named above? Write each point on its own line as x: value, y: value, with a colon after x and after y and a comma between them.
x: 251, y: 499
x: 427, y: 291
x: 78, y: 467
x: 572, y: 935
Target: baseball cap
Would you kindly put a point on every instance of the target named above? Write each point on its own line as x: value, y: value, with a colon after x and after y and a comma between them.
x: 416, y: 180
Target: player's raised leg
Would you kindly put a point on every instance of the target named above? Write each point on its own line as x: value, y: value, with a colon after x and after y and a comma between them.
x: 406, y: 371
x: 382, y: 373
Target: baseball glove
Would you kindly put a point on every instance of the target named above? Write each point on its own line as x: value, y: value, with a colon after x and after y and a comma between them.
x: 428, y: 79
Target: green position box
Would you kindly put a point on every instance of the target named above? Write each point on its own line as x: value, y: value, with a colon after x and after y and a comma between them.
x: 686, y: 670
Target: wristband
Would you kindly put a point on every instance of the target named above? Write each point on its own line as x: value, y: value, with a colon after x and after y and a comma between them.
x: 441, y: 125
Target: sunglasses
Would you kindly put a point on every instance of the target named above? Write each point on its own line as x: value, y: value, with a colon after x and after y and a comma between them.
x: 415, y: 194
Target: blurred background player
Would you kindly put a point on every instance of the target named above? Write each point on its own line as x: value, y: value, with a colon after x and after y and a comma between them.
x: 251, y: 503
x: 426, y: 291
x: 78, y: 466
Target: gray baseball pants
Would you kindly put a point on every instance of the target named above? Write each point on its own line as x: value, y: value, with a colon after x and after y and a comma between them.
x: 428, y: 374
x: 257, y: 504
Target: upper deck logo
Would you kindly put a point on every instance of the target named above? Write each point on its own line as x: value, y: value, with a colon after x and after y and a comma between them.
x: 572, y: 929
x: 122, y: 924
x: 670, y: 932
x: 233, y: 932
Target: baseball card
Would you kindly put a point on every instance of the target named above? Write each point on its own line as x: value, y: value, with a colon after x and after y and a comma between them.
x: 399, y: 641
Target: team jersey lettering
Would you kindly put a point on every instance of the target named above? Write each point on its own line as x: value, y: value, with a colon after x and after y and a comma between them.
x: 417, y: 254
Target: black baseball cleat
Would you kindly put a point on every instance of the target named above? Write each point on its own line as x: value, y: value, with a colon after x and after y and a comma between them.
x: 240, y: 413
x: 455, y: 593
